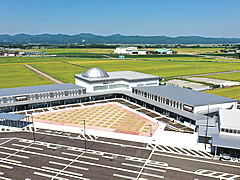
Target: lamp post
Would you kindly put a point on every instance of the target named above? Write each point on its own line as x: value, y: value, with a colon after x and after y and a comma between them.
x: 33, y: 130
x: 84, y: 131
x: 150, y: 130
x: 206, y: 128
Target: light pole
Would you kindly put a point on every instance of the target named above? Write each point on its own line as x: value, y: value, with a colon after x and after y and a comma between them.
x: 84, y: 131
x: 33, y: 129
x: 206, y: 128
x: 150, y: 130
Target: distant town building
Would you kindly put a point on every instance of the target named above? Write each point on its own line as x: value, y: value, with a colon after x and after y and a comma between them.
x: 7, y: 53
x: 126, y: 50
x: 129, y: 50
x: 31, y: 53
x: 164, y: 51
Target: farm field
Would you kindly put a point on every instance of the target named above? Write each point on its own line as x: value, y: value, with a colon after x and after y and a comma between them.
x: 229, y: 76
x: 65, y: 72
x: 230, y: 92
x: 18, y: 76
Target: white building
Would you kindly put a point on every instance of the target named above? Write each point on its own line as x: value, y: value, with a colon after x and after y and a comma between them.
x: 96, y: 79
x: 126, y: 50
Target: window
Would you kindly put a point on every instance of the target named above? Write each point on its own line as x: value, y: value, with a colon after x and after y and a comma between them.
x: 98, y: 88
x: 167, y: 101
x: 115, y: 86
x: 149, y: 84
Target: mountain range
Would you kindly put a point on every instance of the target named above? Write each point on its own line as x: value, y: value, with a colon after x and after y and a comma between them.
x: 87, y: 38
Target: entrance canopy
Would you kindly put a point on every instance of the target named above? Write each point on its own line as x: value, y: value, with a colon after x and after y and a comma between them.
x: 12, y: 117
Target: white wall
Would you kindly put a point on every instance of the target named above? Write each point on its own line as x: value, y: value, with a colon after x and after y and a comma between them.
x: 215, y: 106
x: 89, y: 87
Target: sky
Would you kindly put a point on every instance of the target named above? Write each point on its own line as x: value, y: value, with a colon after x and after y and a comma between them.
x: 207, y: 18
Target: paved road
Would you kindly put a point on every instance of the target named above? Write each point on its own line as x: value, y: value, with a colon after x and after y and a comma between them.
x: 46, y: 76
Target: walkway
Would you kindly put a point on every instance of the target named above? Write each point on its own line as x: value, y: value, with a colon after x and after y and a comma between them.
x: 44, y: 75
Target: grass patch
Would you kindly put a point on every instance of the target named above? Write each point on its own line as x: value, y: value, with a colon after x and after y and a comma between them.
x: 120, y: 128
x: 76, y: 123
x: 104, y: 126
x: 144, y: 131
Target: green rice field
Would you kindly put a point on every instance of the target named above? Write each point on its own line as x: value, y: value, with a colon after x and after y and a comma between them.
x: 14, y: 74
x: 230, y: 92
x: 229, y: 76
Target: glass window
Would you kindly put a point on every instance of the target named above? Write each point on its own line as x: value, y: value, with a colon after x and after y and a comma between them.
x: 98, y: 88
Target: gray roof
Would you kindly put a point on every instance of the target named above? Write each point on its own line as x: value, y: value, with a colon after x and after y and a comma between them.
x: 38, y: 89
x: 226, y: 140
x: 229, y: 118
x: 187, y: 96
x: 13, y: 117
x: 95, y: 73
x: 129, y: 76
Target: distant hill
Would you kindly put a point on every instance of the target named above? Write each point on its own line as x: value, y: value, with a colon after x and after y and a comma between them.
x: 87, y: 38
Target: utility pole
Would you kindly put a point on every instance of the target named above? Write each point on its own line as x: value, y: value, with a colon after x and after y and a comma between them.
x: 197, y: 67
x: 156, y: 69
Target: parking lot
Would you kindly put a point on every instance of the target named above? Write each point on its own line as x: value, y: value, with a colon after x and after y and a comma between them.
x: 62, y: 155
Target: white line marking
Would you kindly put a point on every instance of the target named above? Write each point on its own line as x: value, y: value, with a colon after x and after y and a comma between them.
x: 5, y: 178
x: 87, y: 157
x: 5, y: 166
x: 6, y: 141
x: 41, y: 149
x: 4, y: 159
x: 198, y: 160
x: 154, y: 169
x: 62, y: 164
x: 20, y: 156
x: 48, y: 176
x: 141, y: 171
x: 68, y: 172
x: 123, y: 176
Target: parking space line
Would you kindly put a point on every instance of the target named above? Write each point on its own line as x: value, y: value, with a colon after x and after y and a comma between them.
x: 6, y: 141
x: 133, y: 165
x: 20, y: 156
x: 4, y: 159
x: 48, y: 176
x: 123, y: 176
x: 5, y: 178
x: 87, y: 157
x: 149, y: 157
x: 72, y: 166
x: 198, y: 160
x: 19, y: 145
x: 5, y: 166
x: 68, y: 172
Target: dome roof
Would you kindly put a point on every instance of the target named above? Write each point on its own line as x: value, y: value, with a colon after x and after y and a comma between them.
x: 95, y: 73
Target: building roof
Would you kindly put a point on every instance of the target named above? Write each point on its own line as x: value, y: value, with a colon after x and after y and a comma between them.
x: 129, y: 76
x: 187, y: 96
x: 163, y: 50
x: 226, y: 140
x: 95, y: 73
x: 38, y: 89
x: 13, y: 117
x: 229, y: 118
